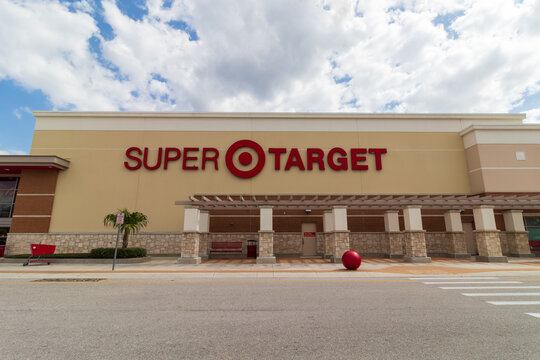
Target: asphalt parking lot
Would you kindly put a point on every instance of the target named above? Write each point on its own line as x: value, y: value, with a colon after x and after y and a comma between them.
x: 298, y: 317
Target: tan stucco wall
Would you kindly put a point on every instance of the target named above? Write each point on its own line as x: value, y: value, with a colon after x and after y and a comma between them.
x: 495, y: 168
x: 98, y: 183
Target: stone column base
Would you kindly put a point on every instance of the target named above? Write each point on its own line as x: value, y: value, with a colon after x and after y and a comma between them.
x: 394, y: 245
x: 340, y: 244
x: 492, y: 259
x: 190, y: 248
x: 266, y: 260
x: 204, y: 257
x: 189, y: 260
x: 415, y: 245
x: 417, y: 259
x: 488, y: 243
x: 328, y: 245
x: 266, y: 248
x: 518, y: 244
x: 203, y: 245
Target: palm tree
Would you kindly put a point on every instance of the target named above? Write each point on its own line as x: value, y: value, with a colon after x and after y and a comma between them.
x: 133, y: 223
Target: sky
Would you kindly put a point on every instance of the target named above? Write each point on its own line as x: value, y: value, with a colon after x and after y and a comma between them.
x: 448, y: 56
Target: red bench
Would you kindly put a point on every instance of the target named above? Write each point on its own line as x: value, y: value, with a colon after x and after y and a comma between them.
x: 226, y: 248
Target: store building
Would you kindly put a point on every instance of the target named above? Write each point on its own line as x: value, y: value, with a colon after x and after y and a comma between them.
x: 394, y: 185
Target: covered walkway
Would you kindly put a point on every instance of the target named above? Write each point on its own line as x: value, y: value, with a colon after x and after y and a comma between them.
x: 406, y: 226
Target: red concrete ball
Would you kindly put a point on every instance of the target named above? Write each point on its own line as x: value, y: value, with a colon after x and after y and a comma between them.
x: 351, y: 260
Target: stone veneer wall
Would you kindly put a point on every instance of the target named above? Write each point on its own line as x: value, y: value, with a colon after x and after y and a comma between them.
x: 169, y: 243
x: 437, y: 243
x: 288, y: 243
x: 69, y: 243
x: 369, y: 243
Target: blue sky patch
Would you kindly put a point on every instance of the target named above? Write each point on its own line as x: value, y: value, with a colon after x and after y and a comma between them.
x: 391, y: 105
x: 134, y: 9
x: 446, y: 20
x: 158, y: 77
x: 531, y: 101
x: 17, y: 121
x: 94, y: 45
x: 167, y: 4
x: 344, y: 79
x: 183, y: 26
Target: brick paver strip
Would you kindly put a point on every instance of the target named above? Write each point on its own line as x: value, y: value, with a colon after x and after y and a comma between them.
x: 430, y: 270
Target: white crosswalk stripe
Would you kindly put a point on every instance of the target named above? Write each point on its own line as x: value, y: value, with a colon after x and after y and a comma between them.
x: 502, y: 294
x: 513, y: 302
x: 470, y: 282
x: 454, y: 278
x: 486, y: 285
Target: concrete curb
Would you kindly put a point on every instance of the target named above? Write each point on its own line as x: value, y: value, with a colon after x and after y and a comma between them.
x: 83, y: 261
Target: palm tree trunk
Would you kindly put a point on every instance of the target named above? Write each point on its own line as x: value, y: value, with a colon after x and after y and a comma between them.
x: 125, y: 240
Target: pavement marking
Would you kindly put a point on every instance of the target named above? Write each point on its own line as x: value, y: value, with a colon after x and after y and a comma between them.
x: 471, y: 282
x: 536, y: 315
x: 502, y: 294
x: 456, y: 278
x: 44, y: 281
x: 486, y: 287
x: 513, y: 302
x: 525, y: 279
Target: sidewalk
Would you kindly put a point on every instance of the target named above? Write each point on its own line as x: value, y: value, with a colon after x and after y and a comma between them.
x: 371, y: 267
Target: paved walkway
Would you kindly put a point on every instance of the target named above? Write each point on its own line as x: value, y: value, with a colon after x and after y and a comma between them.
x: 371, y: 267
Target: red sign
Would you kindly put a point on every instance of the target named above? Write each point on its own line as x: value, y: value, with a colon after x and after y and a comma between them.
x: 194, y: 158
x: 119, y: 218
x: 309, y: 234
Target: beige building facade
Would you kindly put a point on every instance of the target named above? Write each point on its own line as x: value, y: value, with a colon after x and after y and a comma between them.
x: 395, y: 185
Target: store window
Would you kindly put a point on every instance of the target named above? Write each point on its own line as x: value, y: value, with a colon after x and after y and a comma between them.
x: 533, y: 227
x: 8, y: 190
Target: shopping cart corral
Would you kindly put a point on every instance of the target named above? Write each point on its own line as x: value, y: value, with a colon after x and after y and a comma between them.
x: 38, y: 250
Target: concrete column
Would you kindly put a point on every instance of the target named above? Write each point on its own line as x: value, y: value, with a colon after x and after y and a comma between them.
x: 340, y: 233
x: 487, y: 236
x: 414, y: 236
x: 456, y: 245
x: 516, y: 236
x: 328, y: 228
x: 266, y: 237
x: 190, y: 237
x: 204, y: 227
x: 394, y: 238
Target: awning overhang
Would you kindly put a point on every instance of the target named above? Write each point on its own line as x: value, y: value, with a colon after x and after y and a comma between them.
x: 11, y: 164
x: 390, y: 202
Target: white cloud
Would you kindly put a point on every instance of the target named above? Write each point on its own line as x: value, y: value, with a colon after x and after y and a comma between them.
x: 13, y: 152
x: 278, y: 55
x: 18, y: 112
x: 533, y: 116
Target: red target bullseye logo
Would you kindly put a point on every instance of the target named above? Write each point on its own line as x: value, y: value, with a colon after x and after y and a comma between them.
x: 245, y: 159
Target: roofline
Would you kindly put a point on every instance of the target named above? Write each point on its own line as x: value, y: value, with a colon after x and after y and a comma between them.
x: 282, y: 115
x: 33, y: 161
x: 472, y: 128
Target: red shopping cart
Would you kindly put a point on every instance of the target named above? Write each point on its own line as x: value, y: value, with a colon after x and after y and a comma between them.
x: 37, y: 251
